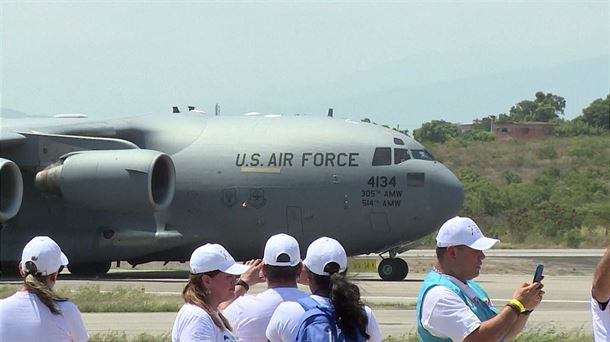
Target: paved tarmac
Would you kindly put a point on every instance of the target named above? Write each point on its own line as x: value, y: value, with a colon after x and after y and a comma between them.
x: 565, y: 306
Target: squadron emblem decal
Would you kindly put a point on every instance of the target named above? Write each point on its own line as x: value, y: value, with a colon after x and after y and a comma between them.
x: 257, y: 198
x: 229, y: 197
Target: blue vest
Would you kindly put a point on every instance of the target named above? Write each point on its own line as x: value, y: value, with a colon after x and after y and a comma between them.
x: 482, y: 307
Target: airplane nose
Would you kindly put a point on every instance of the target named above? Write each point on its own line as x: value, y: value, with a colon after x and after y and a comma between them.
x: 447, y: 192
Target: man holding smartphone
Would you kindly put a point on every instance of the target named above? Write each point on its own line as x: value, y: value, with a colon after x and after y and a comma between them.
x: 452, y: 307
x: 600, y: 296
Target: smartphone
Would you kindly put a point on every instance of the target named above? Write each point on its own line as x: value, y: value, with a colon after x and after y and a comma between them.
x: 538, y: 273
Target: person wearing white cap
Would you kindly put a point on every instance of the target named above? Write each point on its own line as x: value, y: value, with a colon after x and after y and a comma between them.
x: 453, y: 307
x: 36, y: 312
x: 600, y: 296
x: 326, y: 266
x: 281, y: 267
x: 212, y: 281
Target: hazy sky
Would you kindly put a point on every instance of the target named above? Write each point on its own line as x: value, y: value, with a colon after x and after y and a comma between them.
x: 124, y: 57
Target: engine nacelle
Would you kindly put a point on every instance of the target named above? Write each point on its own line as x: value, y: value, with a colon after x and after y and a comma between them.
x: 114, y: 180
x: 11, y: 189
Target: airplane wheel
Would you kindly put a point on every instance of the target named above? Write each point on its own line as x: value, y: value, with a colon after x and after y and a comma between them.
x: 403, y: 269
x: 89, y: 269
x: 393, y: 269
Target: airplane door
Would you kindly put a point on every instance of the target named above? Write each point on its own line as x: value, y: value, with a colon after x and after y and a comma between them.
x: 294, y: 221
x: 417, y: 195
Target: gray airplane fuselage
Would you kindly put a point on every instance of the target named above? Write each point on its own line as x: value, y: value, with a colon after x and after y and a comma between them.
x: 238, y: 180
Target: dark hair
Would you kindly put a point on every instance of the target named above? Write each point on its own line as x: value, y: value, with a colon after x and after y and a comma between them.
x: 440, y: 252
x: 38, y: 284
x: 281, y: 273
x: 345, y: 299
x: 195, y: 293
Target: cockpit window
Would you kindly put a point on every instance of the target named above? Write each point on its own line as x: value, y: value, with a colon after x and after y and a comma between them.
x: 382, y: 156
x: 400, y: 155
x: 398, y: 141
x: 422, y: 155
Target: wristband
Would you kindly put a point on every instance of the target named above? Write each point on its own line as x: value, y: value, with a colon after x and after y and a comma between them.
x: 527, y: 312
x: 514, y: 307
x: 518, y: 304
x: 243, y: 284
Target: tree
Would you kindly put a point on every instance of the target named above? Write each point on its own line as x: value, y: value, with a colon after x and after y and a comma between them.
x: 543, y: 108
x: 598, y: 113
x: 436, y: 131
x: 484, y: 124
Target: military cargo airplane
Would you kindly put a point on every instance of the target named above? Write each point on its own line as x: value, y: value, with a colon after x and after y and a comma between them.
x: 154, y: 187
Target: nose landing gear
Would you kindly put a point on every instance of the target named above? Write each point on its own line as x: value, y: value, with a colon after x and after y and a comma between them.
x: 393, y: 268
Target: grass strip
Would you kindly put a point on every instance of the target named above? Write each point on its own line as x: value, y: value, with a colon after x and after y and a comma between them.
x: 121, y: 299
x: 90, y: 298
x: 548, y: 335
x: 391, y: 305
x: 117, y: 336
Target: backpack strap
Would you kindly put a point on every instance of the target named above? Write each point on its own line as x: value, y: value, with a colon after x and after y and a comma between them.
x: 313, y: 312
x: 308, y: 303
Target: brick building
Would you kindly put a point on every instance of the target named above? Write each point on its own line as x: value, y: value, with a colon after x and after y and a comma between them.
x: 522, y: 130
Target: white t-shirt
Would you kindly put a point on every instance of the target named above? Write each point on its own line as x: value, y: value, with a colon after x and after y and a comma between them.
x: 444, y: 314
x: 194, y: 324
x: 601, y: 321
x: 250, y: 315
x: 283, y: 325
x: 23, y: 317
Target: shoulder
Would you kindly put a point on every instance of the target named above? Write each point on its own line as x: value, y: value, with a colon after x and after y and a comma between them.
x: 9, y: 299
x: 68, y: 309
x: 597, y: 307
x: 369, y: 311
x: 286, y: 293
x: 193, y: 312
x: 372, y: 327
x: 289, y: 308
x: 240, y: 303
x: 286, y: 312
x: 441, y: 293
x: 67, y: 305
x: 284, y: 322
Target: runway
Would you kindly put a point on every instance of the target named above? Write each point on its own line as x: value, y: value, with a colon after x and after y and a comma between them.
x: 565, y: 306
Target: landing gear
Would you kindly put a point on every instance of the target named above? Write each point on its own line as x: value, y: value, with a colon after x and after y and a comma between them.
x: 393, y: 268
x: 89, y: 269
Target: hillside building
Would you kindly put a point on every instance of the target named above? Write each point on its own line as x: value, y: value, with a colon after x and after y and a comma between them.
x: 522, y: 130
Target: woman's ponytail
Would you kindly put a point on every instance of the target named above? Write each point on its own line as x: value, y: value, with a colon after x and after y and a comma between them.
x: 36, y: 283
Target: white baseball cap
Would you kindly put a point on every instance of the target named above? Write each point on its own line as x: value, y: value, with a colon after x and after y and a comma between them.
x: 463, y: 231
x: 212, y: 257
x: 45, y: 254
x: 322, y: 252
x: 279, y: 245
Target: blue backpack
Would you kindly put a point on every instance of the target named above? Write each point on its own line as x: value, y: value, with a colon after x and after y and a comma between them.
x: 318, y: 324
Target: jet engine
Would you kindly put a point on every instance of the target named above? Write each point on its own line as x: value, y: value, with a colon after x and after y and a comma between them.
x: 114, y: 180
x: 11, y: 189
